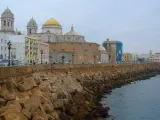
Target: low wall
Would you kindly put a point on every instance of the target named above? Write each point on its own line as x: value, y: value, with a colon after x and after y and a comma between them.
x: 23, y: 70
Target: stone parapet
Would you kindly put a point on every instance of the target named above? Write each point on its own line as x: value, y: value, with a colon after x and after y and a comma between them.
x: 13, y: 71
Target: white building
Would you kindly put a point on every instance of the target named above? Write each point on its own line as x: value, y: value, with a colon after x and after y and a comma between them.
x: 135, y: 57
x: 103, y: 55
x: 156, y: 57
x: 7, y: 33
x: 18, y: 46
x: 4, y: 38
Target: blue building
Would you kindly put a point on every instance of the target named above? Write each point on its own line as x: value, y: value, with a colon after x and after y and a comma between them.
x: 114, y: 49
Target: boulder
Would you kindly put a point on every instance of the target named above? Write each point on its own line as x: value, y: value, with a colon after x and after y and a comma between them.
x: 2, y: 102
x: 45, y: 86
x: 22, y: 97
x: 58, y: 103
x: 13, y: 115
x: 53, y: 97
x: 10, y: 96
x: 10, y: 85
x: 48, y: 108
x: 40, y: 116
x: 61, y: 95
x: 27, y: 84
x: 32, y: 103
x: 14, y: 104
x: 55, y: 115
x: 26, y: 113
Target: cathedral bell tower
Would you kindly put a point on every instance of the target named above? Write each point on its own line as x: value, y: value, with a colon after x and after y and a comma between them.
x: 32, y: 27
x: 7, y: 21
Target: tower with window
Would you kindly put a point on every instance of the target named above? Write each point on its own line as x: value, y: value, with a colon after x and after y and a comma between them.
x: 7, y: 21
x: 32, y: 27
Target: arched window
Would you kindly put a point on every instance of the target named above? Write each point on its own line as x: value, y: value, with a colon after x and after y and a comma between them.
x: 30, y: 31
x: 4, y: 23
x: 8, y: 24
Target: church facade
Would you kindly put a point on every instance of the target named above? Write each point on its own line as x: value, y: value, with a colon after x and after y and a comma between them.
x: 70, y: 47
x: 8, y: 33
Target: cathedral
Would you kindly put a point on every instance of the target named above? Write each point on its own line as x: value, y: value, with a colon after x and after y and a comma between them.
x: 70, y: 47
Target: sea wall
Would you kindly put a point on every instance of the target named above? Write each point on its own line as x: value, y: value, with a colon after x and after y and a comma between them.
x: 13, y: 71
x: 63, y: 92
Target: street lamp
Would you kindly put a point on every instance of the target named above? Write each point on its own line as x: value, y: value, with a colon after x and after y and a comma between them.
x: 72, y: 58
x: 9, y: 48
x: 63, y: 59
x: 41, y: 54
x: 94, y: 58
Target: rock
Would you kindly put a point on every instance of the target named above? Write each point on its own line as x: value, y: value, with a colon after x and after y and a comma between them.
x: 2, y: 102
x: 61, y: 95
x: 10, y: 96
x: 22, y: 97
x: 25, y: 85
x: 64, y: 116
x: 15, y: 104
x: 48, y: 108
x: 37, y: 92
x: 45, y: 86
x: 37, y: 78
x: 32, y: 103
x: 53, y: 97
x: 70, y: 109
x: 40, y: 116
x: 51, y: 117
x: 26, y: 113
x: 13, y: 115
x: 55, y: 115
x: 58, y: 103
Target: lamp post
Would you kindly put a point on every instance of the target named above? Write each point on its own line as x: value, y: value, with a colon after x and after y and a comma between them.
x: 63, y: 59
x: 9, y: 48
x: 72, y: 58
x: 94, y: 56
x: 41, y: 54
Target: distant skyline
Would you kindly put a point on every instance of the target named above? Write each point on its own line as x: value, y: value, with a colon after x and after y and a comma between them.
x: 136, y: 23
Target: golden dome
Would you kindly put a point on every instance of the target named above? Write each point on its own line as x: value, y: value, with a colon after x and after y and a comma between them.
x: 52, y: 21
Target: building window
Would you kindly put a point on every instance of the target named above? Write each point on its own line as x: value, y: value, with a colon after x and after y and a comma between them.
x: 5, y: 41
x: 8, y: 24
x: 1, y: 48
x: 30, y: 31
x: 5, y: 56
x: 5, y: 48
x: 4, y: 23
x: 1, y: 40
x: 11, y: 23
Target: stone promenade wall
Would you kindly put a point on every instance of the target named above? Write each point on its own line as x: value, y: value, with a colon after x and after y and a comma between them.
x: 24, y: 70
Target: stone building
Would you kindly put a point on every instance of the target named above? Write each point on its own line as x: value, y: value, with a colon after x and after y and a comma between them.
x: 70, y: 47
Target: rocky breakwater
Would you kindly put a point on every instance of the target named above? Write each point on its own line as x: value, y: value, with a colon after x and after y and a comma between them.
x: 63, y: 96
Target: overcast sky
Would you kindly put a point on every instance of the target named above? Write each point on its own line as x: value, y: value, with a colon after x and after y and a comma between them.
x: 134, y: 22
